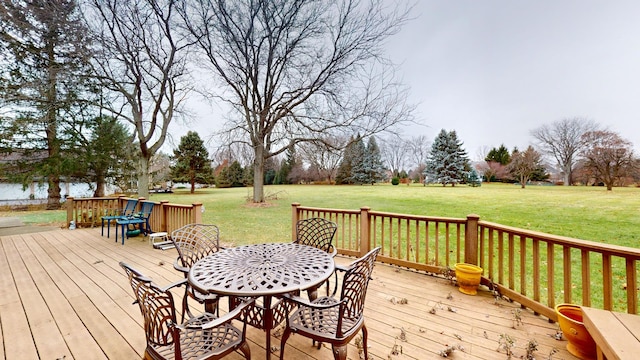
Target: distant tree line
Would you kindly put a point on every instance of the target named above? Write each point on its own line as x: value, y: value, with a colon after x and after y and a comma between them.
x: 602, y: 158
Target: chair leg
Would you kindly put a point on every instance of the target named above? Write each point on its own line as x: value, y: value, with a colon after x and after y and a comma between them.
x: 312, y: 293
x: 244, y: 348
x: 283, y: 341
x: 365, y: 334
x: 211, y: 306
x: 339, y: 352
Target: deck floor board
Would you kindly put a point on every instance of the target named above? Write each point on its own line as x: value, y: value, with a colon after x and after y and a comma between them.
x: 63, y: 295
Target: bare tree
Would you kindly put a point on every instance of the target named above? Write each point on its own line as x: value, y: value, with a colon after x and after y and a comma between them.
x: 419, y: 148
x: 493, y: 169
x: 142, y: 62
x: 300, y: 70
x: 563, y: 140
x: 524, y: 164
x: 324, y: 157
x: 395, y: 151
x: 608, y: 156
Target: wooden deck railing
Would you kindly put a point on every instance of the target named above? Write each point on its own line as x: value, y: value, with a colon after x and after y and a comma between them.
x: 87, y: 212
x: 535, y: 269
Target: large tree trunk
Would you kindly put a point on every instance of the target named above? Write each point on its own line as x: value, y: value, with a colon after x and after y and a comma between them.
x: 567, y: 175
x: 143, y: 177
x: 100, y: 183
x: 258, y: 175
x: 53, y: 198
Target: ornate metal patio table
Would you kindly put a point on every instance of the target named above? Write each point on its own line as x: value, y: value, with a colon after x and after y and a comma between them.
x: 263, y: 270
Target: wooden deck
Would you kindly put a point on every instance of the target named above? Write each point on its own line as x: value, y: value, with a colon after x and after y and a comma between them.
x: 63, y: 296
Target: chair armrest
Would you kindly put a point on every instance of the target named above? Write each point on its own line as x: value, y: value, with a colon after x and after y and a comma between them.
x: 342, y: 268
x: 179, y: 267
x: 334, y: 251
x: 233, y: 314
x: 304, y: 302
x: 174, y: 284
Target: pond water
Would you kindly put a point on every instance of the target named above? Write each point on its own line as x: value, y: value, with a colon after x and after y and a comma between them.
x: 15, y: 193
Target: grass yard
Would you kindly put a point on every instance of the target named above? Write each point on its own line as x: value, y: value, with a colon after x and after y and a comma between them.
x: 589, y: 213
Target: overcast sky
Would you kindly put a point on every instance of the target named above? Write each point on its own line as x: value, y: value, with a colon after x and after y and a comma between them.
x: 493, y: 70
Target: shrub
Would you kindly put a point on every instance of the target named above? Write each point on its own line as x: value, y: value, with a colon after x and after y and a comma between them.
x: 395, y: 181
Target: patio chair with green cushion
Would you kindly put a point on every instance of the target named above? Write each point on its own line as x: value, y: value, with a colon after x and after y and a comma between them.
x: 129, y: 209
x: 193, y: 242
x: 319, y: 233
x: 136, y: 223
x: 335, y: 320
x: 201, y: 337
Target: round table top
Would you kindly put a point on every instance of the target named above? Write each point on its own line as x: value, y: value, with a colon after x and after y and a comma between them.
x: 261, y: 269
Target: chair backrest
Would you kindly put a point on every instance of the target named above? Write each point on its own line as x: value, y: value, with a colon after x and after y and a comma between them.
x: 354, y: 290
x: 157, y: 307
x: 195, y: 241
x: 135, y: 278
x: 316, y: 232
x: 146, y: 209
x: 130, y: 207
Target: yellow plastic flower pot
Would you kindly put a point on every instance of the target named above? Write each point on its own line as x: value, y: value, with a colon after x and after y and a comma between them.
x: 468, y: 278
x: 579, y: 341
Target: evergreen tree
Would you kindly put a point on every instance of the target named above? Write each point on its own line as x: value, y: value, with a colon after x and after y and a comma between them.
x: 358, y: 167
x: 474, y: 179
x: 371, y: 169
x: 107, y: 154
x: 343, y: 175
x: 44, y: 87
x: 447, y: 162
x: 500, y: 155
x: 192, y: 161
x: 236, y: 174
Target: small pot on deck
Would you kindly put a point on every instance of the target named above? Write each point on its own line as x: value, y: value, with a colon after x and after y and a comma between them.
x: 579, y: 341
x: 468, y: 278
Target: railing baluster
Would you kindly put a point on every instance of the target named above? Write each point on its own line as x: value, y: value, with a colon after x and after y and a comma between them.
x: 551, y: 298
x: 607, y: 284
x: 632, y: 286
x: 586, y: 278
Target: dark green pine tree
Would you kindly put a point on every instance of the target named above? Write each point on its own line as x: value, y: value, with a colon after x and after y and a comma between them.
x: 343, y: 175
x: 45, y: 89
x: 283, y: 176
x: 500, y: 155
x: 371, y: 169
x: 447, y: 162
x: 107, y: 154
x: 192, y: 161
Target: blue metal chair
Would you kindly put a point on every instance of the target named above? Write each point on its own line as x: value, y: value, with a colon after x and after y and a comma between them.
x: 140, y: 219
x: 128, y: 210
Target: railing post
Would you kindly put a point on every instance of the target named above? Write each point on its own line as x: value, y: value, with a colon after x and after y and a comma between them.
x: 163, y: 215
x: 70, y: 206
x: 364, y: 230
x: 471, y: 239
x: 294, y: 220
x: 197, y: 213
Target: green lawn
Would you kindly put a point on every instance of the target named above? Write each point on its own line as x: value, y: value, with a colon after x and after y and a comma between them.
x: 589, y: 213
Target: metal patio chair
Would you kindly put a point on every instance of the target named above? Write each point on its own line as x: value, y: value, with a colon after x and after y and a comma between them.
x: 319, y: 233
x: 193, y: 242
x: 202, y: 337
x: 335, y: 320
